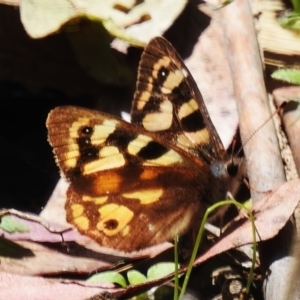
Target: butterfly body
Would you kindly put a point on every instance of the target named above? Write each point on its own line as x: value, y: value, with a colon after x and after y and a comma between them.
x: 136, y: 185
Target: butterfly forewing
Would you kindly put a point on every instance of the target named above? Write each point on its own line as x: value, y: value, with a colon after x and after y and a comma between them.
x: 168, y: 102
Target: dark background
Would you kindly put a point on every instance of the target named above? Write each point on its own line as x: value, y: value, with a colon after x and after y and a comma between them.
x: 37, y: 75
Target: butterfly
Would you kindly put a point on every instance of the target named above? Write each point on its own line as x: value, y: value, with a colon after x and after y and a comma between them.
x: 134, y: 185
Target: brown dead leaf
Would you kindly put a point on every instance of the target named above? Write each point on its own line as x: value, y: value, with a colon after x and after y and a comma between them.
x: 290, y: 117
x: 271, y: 213
x: 54, y: 259
x: 55, y: 250
x: 15, y: 287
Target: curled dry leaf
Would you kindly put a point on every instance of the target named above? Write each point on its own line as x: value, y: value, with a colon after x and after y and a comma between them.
x: 27, y: 255
x: 52, y: 259
x: 270, y: 213
x: 66, y: 250
x: 42, y: 289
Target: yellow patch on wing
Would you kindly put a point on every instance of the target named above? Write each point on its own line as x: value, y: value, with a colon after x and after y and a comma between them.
x: 126, y: 230
x: 82, y: 222
x: 70, y: 162
x: 77, y: 213
x: 108, y: 151
x: 187, y: 108
x: 182, y: 139
x: 169, y: 158
x: 138, y: 143
x: 172, y: 81
x: 101, y: 132
x: 72, y: 146
x: 160, y: 120
x: 71, y: 157
x: 77, y: 210
x: 184, y: 72
x: 72, y: 154
x: 163, y: 62
x: 145, y: 196
x: 114, y: 219
x: 199, y: 137
x: 96, y: 200
x: 73, y: 131
x: 106, y: 163
x: 143, y: 99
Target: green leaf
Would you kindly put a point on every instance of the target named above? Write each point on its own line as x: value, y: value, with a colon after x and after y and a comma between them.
x: 287, y: 75
x: 11, y: 225
x: 109, y: 276
x: 296, y: 5
x: 136, y: 277
x: 160, y: 270
x: 248, y: 204
x: 290, y: 21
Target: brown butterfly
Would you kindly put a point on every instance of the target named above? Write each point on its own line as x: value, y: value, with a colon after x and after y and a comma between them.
x: 134, y: 185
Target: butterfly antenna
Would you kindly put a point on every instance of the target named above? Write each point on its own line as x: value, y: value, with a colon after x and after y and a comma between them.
x: 233, y: 147
x: 281, y: 107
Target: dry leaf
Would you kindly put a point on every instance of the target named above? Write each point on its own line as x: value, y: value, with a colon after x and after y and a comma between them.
x: 271, y: 213
x: 15, y: 287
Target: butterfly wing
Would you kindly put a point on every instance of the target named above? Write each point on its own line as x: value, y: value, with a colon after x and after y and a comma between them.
x: 129, y: 189
x: 167, y: 101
